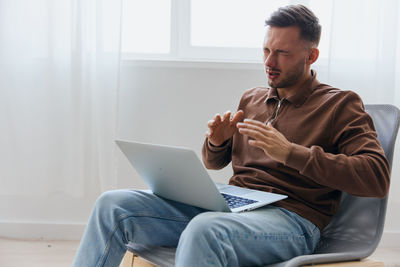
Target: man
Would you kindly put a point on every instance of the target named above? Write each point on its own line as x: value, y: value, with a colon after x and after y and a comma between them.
x: 299, y: 137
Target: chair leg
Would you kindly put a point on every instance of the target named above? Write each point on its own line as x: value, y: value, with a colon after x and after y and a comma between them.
x: 140, y: 262
x: 131, y: 260
x: 127, y: 260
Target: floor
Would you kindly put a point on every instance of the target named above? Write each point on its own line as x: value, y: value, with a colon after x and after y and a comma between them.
x: 17, y: 253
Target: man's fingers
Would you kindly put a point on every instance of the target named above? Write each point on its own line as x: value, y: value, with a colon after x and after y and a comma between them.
x: 226, y: 119
x: 258, y: 144
x: 265, y: 127
x: 217, y: 118
x: 254, y: 127
x: 237, y: 117
x: 258, y: 123
x: 253, y: 133
x: 226, y: 116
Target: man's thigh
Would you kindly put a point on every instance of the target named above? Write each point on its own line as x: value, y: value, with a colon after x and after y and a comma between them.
x: 144, y: 217
x: 257, y: 237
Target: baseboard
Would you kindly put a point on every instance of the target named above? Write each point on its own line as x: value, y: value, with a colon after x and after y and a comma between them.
x: 39, y: 230
x: 390, y: 239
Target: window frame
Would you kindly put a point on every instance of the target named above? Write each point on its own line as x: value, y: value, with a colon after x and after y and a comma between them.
x: 182, y: 50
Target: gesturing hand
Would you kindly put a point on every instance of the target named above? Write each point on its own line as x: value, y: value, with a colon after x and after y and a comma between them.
x: 221, y: 129
x: 267, y: 138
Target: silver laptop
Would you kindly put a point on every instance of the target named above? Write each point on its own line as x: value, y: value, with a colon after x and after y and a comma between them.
x: 177, y: 174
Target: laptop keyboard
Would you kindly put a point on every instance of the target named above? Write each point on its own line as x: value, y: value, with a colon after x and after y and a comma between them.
x: 236, y: 202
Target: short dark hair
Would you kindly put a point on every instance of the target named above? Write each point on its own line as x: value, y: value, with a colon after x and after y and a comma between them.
x: 300, y: 16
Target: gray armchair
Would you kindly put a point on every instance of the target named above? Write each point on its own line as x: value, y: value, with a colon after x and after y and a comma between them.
x: 353, y: 233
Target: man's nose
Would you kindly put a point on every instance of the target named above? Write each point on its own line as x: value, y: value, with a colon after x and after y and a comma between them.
x: 270, y: 61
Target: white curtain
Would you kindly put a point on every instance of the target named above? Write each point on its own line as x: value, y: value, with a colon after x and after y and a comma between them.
x: 59, y: 75
x: 364, y: 53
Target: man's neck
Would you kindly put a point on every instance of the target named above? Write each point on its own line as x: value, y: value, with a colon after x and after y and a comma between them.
x: 292, y: 90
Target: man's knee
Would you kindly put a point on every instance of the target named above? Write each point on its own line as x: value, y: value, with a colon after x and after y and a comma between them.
x: 208, y: 226
x: 115, y: 202
x: 109, y: 199
x: 205, y: 240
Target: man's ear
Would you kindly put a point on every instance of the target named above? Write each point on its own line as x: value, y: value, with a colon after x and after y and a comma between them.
x: 313, y: 55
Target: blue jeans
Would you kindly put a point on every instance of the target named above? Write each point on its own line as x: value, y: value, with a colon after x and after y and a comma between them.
x: 203, y: 238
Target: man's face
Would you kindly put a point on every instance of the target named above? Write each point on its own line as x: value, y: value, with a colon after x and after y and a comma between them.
x: 285, y: 57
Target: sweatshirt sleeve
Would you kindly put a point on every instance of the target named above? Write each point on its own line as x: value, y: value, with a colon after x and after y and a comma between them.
x: 217, y: 157
x: 359, y: 167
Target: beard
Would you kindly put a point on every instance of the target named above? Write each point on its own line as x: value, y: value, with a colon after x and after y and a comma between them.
x: 291, y: 77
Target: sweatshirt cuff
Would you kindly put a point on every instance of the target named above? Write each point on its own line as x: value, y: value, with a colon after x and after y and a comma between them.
x: 298, y: 157
x: 213, y: 148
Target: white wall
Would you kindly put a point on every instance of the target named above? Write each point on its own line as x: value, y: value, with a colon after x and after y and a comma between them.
x: 170, y: 103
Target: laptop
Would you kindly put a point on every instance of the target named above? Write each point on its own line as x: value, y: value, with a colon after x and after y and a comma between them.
x: 176, y: 173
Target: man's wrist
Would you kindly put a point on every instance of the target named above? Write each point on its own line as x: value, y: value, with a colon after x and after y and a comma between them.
x: 221, y: 145
x: 298, y: 157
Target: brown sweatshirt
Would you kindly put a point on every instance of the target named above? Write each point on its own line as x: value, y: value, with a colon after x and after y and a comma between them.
x: 334, y: 149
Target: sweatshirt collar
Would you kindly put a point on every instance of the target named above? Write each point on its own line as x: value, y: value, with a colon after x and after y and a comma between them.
x: 302, y: 94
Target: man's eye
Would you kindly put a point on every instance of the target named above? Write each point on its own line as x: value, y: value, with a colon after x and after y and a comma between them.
x: 285, y: 54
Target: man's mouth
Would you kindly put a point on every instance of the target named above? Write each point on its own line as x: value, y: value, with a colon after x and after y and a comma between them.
x: 272, y: 74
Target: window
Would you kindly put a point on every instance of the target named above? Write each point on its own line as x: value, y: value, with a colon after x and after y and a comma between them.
x: 214, y: 30
x: 230, y: 23
x: 146, y: 26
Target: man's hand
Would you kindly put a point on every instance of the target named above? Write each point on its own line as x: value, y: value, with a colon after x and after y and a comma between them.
x: 267, y: 138
x: 221, y: 129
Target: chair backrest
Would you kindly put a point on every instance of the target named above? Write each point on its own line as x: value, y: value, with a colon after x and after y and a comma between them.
x: 360, y: 220
x: 386, y: 121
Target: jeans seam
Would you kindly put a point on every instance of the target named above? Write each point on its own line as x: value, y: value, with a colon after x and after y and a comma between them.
x: 122, y: 217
